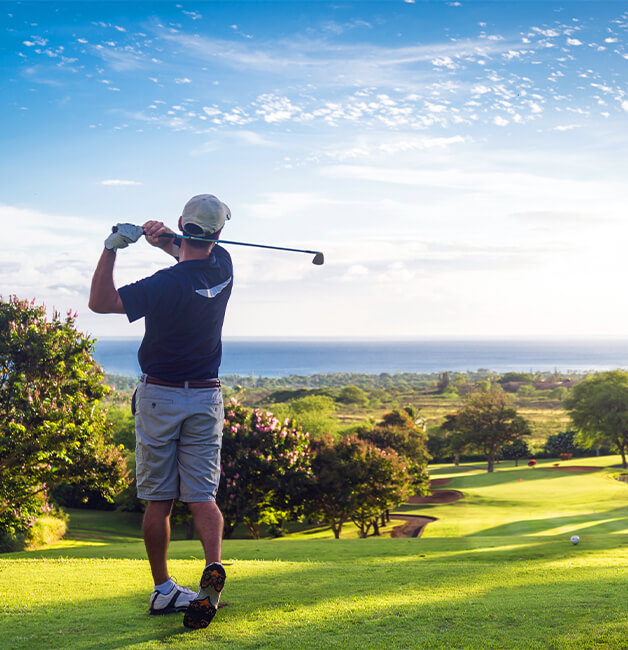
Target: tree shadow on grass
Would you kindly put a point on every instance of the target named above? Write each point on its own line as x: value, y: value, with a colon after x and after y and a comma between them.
x: 504, y: 477
x: 380, y: 605
x: 607, y: 521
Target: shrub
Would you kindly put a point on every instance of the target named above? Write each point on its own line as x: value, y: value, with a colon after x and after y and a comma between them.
x: 46, y: 530
x: 561, y: 443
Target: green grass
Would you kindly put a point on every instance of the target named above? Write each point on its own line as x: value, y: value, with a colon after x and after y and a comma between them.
x: 495, y: 571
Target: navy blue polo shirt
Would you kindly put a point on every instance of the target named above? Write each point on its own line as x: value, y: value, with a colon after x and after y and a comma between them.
x: 183, y: 307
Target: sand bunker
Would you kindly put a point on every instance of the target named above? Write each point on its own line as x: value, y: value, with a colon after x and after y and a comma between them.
x: 437, y: 497
x: 413, y: 527
x: 415, y: 524
x: 575, y: 468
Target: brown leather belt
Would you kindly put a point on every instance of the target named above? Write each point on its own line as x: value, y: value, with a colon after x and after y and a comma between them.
x: 207, y: 383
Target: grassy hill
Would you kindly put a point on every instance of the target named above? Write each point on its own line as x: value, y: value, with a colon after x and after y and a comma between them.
x: 496, y: 570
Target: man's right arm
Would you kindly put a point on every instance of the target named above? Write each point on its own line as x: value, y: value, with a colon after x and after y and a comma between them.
x: 103, y: 296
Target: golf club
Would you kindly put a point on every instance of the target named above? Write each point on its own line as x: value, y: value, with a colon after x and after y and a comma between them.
x: 319, y: 258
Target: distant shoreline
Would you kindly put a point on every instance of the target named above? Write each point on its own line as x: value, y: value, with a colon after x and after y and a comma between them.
x: 284, y: 357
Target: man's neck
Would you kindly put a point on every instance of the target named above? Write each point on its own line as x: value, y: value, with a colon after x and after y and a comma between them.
x: 186, y: 254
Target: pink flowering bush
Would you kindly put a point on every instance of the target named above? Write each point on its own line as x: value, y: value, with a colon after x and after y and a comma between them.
x: 264, y: 465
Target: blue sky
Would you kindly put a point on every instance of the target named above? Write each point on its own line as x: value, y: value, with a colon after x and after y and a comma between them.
x: 461, y: 164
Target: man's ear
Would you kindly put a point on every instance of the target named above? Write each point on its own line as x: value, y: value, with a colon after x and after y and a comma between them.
x: 179, y: 224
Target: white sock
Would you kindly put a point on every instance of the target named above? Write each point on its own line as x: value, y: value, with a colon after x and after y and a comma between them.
x: 165, y: 587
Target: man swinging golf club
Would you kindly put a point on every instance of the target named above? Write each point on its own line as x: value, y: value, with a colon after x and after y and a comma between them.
x: 178, y: 402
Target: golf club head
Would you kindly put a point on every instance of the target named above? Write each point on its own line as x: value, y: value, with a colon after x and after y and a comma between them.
x: 319, y: 259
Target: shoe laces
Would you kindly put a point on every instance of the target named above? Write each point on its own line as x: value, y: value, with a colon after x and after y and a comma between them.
x: 181, y: 588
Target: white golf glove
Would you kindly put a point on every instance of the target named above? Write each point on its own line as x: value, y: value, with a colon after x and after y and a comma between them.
x: 123, y: 234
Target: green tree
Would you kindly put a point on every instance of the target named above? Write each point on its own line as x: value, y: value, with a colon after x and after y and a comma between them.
x: 122, y: 426
x: 598, y: 407
x: 353, y: 395
x: 403, y: 432
x: 314, y: 414
x: 519, y: 377
x: 50, y: 429
x: 488, y: 422
x: 561, y: 443
x: 352, y: 478
x: 443, y: 383
x: 455, y: 442
x: 527, y: 390
x: 515, y: 450
x: 387, y: 485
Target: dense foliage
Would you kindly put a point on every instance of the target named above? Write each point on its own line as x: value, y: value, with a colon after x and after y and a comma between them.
x: 50, y: 429
x: 598, y: 408
x: 562, y: 443
x: 314, y: 413
x: 515, y: 450
x: 453, y: 441
x: 406, y: 435
x: 272, y: 471
x: 354, y: 479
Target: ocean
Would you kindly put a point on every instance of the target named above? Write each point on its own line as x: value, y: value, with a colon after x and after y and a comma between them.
x: 279, y: 358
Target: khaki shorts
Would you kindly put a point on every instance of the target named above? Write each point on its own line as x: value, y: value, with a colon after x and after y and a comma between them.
x: 178, y: 433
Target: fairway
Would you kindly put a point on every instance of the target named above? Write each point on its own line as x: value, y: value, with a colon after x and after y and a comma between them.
x: 496, y: 570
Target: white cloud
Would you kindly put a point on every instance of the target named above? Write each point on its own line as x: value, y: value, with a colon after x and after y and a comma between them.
x: 281, y: 205
x: 515, y: 185
x: 252, y: 138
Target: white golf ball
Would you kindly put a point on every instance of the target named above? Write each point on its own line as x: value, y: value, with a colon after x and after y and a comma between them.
x: 575, y: 539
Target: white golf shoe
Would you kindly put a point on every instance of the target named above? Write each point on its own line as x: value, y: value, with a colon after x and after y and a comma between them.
x: 176, y: 600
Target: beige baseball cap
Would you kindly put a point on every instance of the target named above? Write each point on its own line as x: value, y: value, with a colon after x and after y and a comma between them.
x: 204, y: 215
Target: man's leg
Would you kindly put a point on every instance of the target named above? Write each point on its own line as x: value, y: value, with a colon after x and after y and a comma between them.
x: 208, y: 524
x: 156, y: 531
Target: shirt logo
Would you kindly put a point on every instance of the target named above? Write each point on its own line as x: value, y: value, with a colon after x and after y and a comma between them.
x: 212, y: 292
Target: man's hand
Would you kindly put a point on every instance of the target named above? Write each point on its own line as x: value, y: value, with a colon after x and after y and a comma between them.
x: 125, y: 234
x: 153, y: 230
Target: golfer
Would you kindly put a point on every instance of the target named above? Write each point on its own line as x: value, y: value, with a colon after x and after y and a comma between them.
x: 178, y: 402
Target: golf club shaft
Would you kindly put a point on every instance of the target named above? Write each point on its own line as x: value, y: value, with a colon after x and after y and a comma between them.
x: 319, y: 258
x: 238, y: 243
